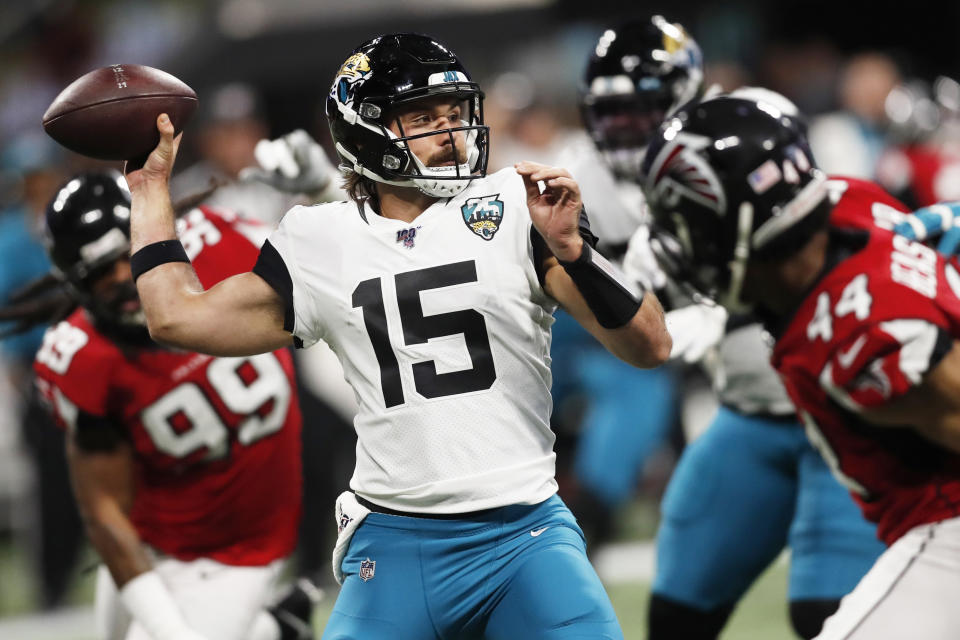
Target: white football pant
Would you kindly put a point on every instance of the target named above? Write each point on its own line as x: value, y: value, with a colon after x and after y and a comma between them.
x: 912, y: 591
x: 219, y: 601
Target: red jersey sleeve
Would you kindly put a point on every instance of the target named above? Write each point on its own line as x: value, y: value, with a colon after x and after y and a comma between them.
x: 883, y: 361
x: 219, y: 243
x: 864, y: 205
x: 74, y: 368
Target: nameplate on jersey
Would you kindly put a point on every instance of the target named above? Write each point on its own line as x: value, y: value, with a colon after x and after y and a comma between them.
x: 483, y: 215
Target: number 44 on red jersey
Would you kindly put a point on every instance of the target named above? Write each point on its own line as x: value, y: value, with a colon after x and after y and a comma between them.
x: 881, y: 317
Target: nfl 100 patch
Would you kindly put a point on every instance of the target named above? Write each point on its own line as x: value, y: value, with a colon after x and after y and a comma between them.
x: 483, y: 214
x: 367, y: 568
x: 407, y: 236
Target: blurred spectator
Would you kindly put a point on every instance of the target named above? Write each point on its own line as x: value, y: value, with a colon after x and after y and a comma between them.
x: 725, y: 76
x: 32, y: 171
x: 60, y: 41
x: 522, y: 126
x: 849, y: 142
x: 227, y: 129
x: 922, y: 165
x: 807, y: 73
x: 30, y: 176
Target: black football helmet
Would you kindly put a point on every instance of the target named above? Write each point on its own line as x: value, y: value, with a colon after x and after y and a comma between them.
x: 730, y: 179
x: 639, y: 73
x: 87, y: 231
x: 388, y: 72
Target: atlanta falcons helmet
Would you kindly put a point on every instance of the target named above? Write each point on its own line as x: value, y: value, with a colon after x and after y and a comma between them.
x: 87, y: 230
x: 391, y: 71
x: 730, y: 179
x: 639, y: 73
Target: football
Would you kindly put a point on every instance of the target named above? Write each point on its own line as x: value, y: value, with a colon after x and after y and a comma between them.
x: 111, y: 112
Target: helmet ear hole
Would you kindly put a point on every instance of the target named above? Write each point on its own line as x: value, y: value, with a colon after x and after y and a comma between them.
x: 370, y: 111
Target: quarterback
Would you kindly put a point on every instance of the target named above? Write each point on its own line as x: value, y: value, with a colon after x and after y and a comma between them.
x: 865, y: 323
x: 435, y: 285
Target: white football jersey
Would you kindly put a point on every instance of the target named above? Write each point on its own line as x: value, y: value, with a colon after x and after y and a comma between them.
x: 443, y: 331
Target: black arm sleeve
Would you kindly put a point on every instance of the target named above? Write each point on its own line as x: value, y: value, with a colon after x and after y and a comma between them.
x: 97, y: 434
x: 604, y: 288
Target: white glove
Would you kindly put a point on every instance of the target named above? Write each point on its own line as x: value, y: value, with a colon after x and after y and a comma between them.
x: 639, y: 263
x: 150, y: 603
x: 293, y: 163
x: 695, y: 329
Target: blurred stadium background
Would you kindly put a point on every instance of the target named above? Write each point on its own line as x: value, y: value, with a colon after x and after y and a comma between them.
x: 262, y: 67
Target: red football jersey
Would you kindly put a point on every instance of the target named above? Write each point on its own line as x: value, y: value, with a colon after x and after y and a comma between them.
x: 216, y: 440
x: 924, y: 174
x: 882, y: 316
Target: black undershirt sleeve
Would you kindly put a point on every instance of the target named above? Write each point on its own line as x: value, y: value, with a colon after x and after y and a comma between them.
x: 271, y: 267
x: 97, y: 434
x: 941, y: 348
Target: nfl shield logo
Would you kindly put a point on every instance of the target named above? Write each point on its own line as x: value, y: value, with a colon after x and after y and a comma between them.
x: 367, y: 569
x: 483, y: 215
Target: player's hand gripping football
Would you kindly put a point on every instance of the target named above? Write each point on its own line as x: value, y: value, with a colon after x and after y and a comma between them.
x: 159, y: 163
x: 555, y: 211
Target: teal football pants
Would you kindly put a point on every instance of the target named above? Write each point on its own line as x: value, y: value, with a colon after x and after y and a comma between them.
x: 515, y: 572
x: 741, y: 492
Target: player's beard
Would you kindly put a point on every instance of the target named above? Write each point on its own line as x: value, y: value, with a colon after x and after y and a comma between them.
x: 117, y: 304
x: 448, y: 154
x: 125, y: 326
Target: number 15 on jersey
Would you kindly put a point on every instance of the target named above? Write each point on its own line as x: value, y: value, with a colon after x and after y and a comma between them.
x: 419, y: 328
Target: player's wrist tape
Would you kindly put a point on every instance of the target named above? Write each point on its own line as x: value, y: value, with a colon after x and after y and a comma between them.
x: 156, y: 254
x: 150, y: 603
x: 604, y: 288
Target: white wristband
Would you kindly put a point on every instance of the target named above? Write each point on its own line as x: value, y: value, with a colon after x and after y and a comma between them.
x: 150, y: 603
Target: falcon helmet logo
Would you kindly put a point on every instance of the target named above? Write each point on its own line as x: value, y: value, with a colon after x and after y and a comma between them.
x: 367, y: 568
x: 680, y: 171
x: 483, y: 215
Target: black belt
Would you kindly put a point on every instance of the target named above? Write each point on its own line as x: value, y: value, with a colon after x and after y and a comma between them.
x: 430, y: 516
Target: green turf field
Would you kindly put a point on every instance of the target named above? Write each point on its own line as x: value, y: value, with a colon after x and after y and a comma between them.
x: 761, y: 616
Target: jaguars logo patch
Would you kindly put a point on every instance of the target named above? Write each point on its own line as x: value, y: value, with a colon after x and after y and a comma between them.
x: 355, y: 69
x: 482, y: 215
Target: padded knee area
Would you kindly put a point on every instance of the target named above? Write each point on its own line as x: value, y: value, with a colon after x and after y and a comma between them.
x: 668, y: 619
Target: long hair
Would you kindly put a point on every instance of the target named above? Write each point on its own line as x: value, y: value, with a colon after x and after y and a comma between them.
x: 50, y: 298
x: 46, y: 300
x: 361, y: 189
